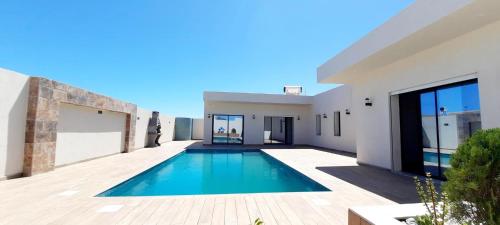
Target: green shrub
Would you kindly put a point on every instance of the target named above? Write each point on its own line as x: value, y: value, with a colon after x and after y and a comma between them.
x: 435, y: 203
x: 473, y: 185
x: 258, y: 221
x: 424, y: 220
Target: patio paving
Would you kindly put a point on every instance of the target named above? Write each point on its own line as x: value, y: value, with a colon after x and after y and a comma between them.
x: 378, y: 181
x: 66, y: 195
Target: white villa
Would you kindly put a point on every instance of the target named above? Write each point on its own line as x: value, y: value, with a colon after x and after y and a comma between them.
x: 408, y: 94
x: 421, y: 82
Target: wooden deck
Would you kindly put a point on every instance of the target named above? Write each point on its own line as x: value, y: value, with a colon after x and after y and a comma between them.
x: 66, y: 195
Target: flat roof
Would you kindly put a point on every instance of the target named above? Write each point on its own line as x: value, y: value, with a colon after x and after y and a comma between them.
x: 257, y: 98
x: 423, y: 24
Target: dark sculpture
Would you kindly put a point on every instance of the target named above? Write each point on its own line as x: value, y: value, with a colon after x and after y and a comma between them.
x: 154, y: 130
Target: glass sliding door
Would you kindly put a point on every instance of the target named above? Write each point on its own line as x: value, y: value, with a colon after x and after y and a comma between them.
x: 449, y: 115
x: 235, y: 128
x: 288, y: 130
x: 268, y: 128
x: 430, y: 147
x: 227, y: 129
x: 458, y: 118
x: 278, y: 130
x: 219, y: 132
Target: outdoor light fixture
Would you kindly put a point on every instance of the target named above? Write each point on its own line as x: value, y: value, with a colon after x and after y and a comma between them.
x: 209, y: 115
x: 298, y: 117
x: 324, y: 116
x: 253, y: 116
x: 348, y: 112
x: 368, y: 102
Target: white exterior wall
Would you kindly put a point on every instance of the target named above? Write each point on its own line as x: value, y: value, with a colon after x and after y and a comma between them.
x: 167, y: 128
x: 475, y: 54
x: 254, y: 128
x: 198, y: 129
x: 337, y: 99
x: 141, y: 130
x: 13, y: 110
x: 84, y: 134
x: 90, y: 136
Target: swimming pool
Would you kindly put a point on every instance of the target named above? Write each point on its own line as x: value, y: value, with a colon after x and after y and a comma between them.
x: 197, y: 172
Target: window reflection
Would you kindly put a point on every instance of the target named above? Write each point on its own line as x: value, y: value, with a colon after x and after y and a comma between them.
x: 227, y: 129
x: 459, y: 117
x: 447, y: 123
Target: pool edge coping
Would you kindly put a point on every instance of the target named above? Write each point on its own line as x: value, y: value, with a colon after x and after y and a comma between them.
x: 296, y: 171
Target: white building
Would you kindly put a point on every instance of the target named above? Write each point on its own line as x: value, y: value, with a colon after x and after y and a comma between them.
x: 433, y: 60
x: 280, y: 119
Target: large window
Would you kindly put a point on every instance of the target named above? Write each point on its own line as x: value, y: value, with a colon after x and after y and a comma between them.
x: 449, y: 115
x: 318, y: 125
x: 227, y: 129
x: 336, y: 123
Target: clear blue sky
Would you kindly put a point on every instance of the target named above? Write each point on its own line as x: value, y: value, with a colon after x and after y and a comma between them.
x: 163, y: 54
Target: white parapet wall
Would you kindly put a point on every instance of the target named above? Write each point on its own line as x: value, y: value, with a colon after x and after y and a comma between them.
x: 141, y: 127
x: 84, y: 133
x: 198, y: 129
x: 95, y: 135
x: 13, y: 108
x: 167, y: 127
x: 141, y: 132
x: 327, y: 103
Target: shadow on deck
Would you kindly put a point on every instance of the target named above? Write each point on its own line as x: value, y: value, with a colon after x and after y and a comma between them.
x: 395, y: 187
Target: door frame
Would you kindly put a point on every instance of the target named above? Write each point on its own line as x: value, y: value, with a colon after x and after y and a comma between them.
x: 418, y: 115
x: 288, y: 135
x: 227, y: 126
x: 285, y: 130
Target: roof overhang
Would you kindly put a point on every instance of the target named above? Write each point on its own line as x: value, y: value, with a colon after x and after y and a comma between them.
x: 257, y: 98
x: 423, y: 24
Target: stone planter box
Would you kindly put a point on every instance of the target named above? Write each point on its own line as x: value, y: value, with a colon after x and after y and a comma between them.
x: 384, y: 215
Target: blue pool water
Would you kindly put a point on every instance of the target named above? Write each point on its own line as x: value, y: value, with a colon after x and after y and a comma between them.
x: 433, y: 157
x: 231, y: 140
x: 216, y: 172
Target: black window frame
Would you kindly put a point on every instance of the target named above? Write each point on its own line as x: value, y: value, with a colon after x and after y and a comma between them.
x: 337, y: 124
x: 242, y: 129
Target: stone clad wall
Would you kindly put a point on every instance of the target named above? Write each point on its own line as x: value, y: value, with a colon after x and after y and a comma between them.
x: 45, y: 96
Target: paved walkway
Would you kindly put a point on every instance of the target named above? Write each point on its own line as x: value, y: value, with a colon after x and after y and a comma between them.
x: 66, y: 195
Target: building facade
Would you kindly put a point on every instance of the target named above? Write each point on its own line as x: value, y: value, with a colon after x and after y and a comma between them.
x: 415, y: 88
x: 280, y: 119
